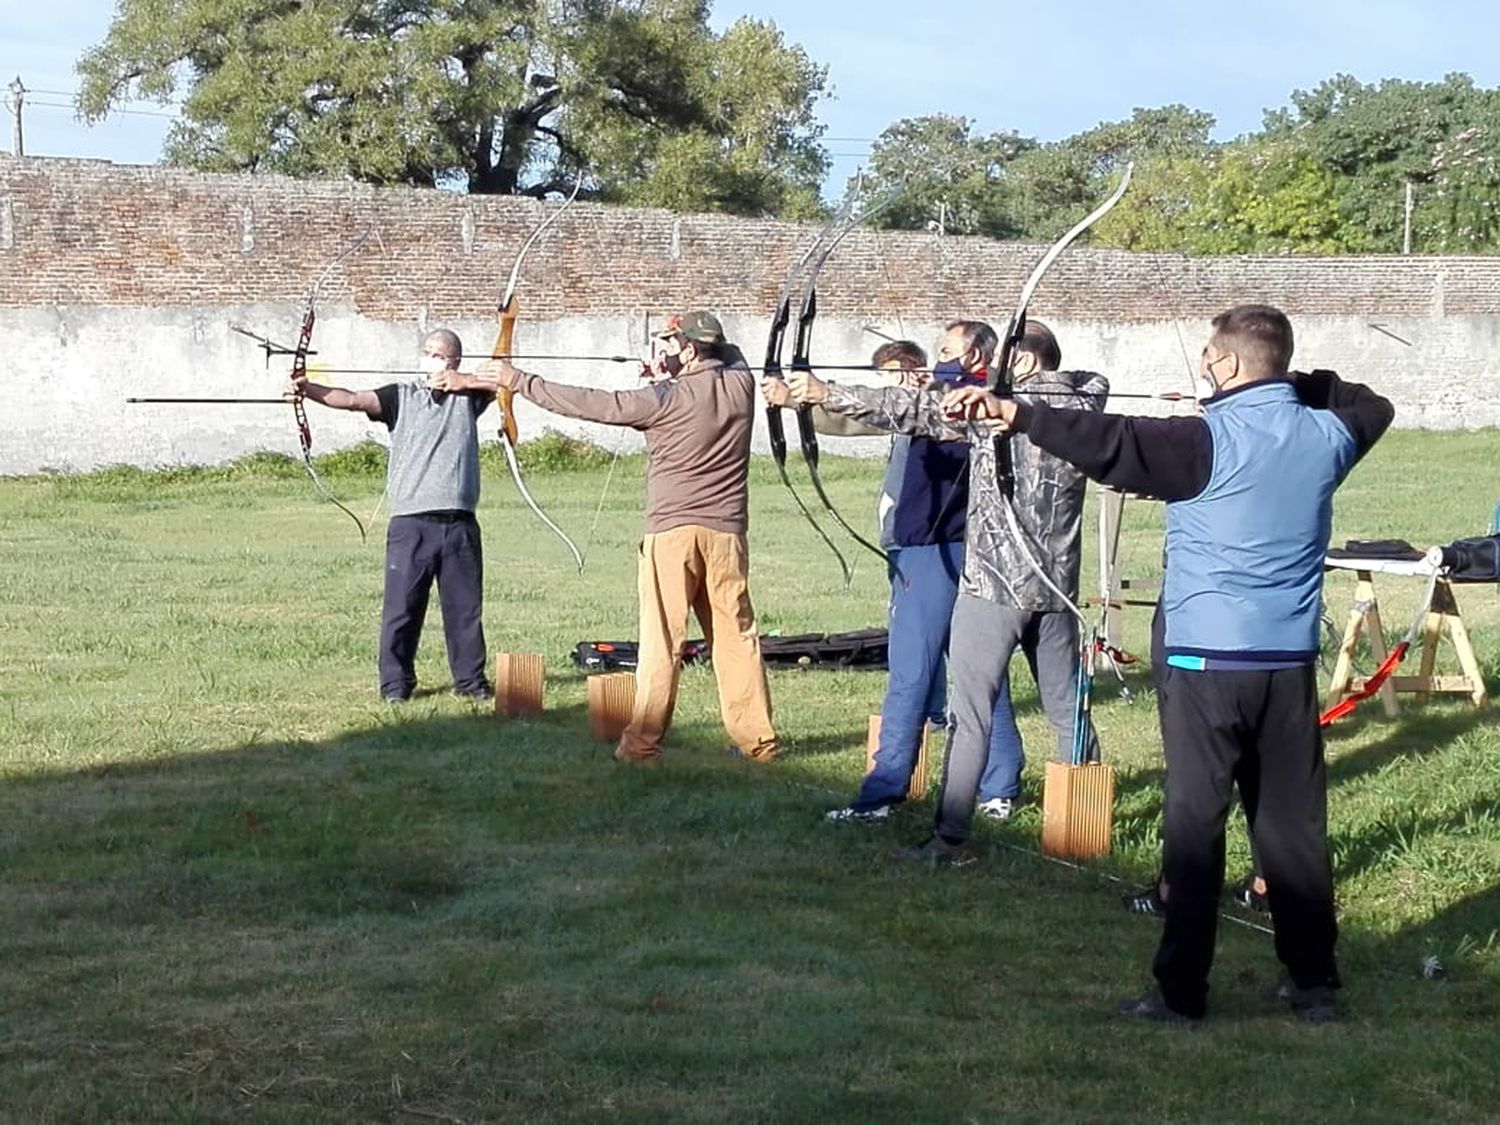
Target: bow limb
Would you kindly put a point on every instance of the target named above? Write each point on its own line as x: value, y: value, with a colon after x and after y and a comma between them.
x: 848, y: 218
x: 1000, y: 383
x: 807, y: 432
x: 772, y: 369
x: 299, y: 405
x: 509, y: 312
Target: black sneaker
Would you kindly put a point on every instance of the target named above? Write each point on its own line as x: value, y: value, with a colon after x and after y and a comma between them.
x: 1318, y: 1004
x: 938, y: 852
x: 1145, y: 901
x: 1244, y: 894
x: 1151, y: 1006
x: 482, y: 694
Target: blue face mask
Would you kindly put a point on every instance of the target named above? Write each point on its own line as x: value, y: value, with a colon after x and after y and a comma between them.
x: 950, y: 373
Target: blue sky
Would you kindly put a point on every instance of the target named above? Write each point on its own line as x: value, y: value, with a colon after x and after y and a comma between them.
x: 1045, y: 69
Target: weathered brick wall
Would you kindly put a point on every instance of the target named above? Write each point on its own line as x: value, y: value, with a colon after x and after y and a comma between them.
x: 90, y: 233
x: 123, y: 280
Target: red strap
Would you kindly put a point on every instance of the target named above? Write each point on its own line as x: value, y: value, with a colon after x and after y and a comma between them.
x: 1372, y: 685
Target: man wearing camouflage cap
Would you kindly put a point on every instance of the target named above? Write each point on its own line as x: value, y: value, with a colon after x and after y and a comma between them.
x: 696, y: 418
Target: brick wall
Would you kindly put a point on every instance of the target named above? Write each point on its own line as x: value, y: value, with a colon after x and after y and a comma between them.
x: 116, y: 281
x: 85, y: 233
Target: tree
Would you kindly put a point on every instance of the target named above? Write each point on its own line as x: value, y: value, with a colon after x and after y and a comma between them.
x: 503, y: 96
x: 1055, y: 184
x: 941, y: 175
x: 1377, y: 138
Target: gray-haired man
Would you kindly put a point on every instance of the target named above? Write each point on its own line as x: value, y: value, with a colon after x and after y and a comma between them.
x: 432, y: 483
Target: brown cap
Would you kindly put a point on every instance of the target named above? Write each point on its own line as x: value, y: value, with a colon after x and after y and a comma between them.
x: 698, y: 327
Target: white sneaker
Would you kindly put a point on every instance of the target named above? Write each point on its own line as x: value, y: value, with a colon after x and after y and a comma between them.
x: 997, y: 808
x: 862, y: 816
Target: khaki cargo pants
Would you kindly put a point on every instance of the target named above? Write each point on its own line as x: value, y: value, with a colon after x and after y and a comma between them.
x: 705, y: 571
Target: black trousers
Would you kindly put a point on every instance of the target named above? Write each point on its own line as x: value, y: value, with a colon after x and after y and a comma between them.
x: 1257, y: 730
x: 1158, y: 677
x: 418, y: 550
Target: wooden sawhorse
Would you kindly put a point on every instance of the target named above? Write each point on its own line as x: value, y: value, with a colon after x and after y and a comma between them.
x: 1442, y: 616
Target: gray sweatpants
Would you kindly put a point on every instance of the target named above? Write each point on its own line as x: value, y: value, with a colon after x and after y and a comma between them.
x: 983, y: 639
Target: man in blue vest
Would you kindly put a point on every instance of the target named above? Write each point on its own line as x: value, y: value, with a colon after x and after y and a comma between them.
x: 1249, y: 489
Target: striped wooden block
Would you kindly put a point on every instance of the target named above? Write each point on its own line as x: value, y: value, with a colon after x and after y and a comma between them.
x: 611, y: 701
x: 1078, y: 810
x: 918, y: 787
x: 518, y: 684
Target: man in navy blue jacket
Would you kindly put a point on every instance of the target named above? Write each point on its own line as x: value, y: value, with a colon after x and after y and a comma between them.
x: 922, y: 510
x: 1249, y: 489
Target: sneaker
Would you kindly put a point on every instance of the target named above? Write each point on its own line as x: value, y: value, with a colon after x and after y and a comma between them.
x: 1311, y: 1005
x: 1244, y: 894
x: 1152, y: 1006
x: 1145, y: 901
x: 939, y: 853
x: 997, y: 808
x: 854, y: 814
x: 482, y: 694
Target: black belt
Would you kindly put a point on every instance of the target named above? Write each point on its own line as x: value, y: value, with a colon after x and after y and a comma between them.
x: 445, y: 516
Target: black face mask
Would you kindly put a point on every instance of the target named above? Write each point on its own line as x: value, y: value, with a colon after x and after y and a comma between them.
x: 672, y: 363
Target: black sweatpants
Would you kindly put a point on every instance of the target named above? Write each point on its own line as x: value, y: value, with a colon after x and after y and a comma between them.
x: 1257, y: 730
x: 441, y: 546
x: 1158, y: 676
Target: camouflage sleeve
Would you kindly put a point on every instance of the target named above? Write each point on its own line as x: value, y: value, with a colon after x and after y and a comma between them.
x: 896, y: 410
x: 1067, y: 390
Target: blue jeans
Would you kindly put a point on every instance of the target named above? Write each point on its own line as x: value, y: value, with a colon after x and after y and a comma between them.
x: 922, y: 599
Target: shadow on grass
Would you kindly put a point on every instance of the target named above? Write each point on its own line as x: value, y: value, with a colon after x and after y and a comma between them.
x: 450, y: 917
x: 1414, y: 733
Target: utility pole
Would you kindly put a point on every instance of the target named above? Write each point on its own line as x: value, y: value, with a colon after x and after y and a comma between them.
x: 1406, y: 235
x: 17, y: 100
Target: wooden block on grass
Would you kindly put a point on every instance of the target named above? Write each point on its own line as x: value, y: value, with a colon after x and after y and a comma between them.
x: 918, y: 787
x: 611, y: 700
x: 518, y: 684
x: 1078, y: 810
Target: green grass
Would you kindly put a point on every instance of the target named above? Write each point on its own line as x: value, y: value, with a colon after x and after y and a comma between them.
x: 236, y: 886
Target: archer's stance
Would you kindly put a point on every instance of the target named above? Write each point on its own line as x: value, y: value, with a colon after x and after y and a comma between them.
x: 1249, y: 489
x: 921, y: 511
x: 1003, y: 602
x: 696, y: 419
x: 432, y: 483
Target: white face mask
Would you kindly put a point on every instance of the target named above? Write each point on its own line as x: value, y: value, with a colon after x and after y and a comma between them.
x: 1204, y: 387
x: 433, y: 364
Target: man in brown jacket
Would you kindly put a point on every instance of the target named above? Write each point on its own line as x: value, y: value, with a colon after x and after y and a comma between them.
x: 696, y: 418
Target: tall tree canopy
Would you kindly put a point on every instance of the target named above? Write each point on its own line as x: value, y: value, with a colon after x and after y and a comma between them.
x: 503, y: 96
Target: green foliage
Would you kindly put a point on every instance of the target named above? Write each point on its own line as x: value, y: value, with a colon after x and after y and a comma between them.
x: 641, y: 99
x: 553, y: 452
x: 1267, y: 196
x: 1325, y: 176
x: 942, y: 177
x: 368, y: 458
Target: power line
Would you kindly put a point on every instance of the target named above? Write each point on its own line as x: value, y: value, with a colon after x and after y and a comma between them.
x: 133, y: 112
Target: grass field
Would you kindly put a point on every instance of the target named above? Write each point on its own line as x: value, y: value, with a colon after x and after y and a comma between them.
x: 236, y: 886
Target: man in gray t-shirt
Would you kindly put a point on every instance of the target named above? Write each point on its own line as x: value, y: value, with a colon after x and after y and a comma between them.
x: 433, y: 487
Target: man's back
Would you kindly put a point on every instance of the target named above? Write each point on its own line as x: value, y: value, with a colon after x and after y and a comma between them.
x: 1246, y: 554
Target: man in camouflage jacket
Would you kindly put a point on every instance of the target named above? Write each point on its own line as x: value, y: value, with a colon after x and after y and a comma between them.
x: 1002, y: 602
